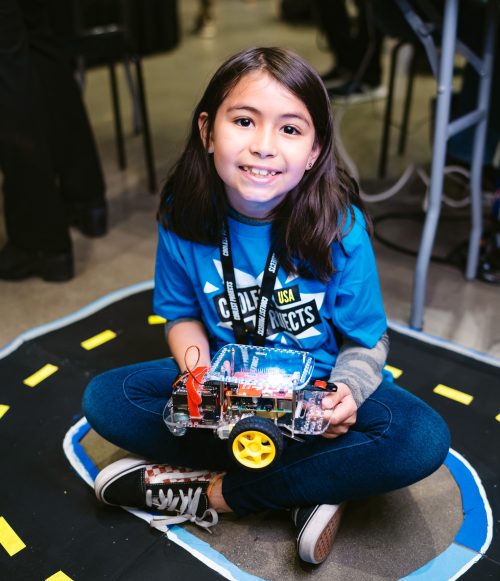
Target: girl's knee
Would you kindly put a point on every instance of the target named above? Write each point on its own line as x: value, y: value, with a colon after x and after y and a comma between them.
x: 423, y: 435
x: 90, y: 400
x: 427, y: 445
x: 441, y: 440
x: 95, y: 402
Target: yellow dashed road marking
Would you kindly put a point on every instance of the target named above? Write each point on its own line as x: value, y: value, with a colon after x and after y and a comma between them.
x: 3, y: 410
x: 453, y: 394
x: 156, y: 320
x: 59, y: 576
x: 394, y: 370
x: 98, y: 340
x: 40, y: 375
x: 8, y: 538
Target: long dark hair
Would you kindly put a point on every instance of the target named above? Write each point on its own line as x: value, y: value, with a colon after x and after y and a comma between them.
x: 312, y: 216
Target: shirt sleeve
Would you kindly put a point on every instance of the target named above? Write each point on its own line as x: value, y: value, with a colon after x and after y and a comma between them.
x: 174, y: 292
x: 358, y: 312
x: 361, y: 368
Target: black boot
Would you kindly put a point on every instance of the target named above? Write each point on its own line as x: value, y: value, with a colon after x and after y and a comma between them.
x: 489, y: 261
x: 92, y: 221
x: 19, y: 264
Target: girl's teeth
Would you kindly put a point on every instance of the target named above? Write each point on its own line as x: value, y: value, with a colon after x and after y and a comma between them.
x: 259, y: 172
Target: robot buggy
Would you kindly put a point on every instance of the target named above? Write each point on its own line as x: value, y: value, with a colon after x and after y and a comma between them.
x: 253, y: 397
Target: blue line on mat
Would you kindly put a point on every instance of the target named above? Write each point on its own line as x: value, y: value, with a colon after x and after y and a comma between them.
x: 218, y: 558
x: 460, y: 555
x: 80, y: 452
x: 448, y: 565
x: 474, y: 535
x: 474, y: 531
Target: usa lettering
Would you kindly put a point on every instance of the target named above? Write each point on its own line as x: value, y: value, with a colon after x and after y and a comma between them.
x: 285, y: 296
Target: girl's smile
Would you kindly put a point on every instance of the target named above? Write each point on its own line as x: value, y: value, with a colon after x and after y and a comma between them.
x: 263, y: 141
x: 260, y: 172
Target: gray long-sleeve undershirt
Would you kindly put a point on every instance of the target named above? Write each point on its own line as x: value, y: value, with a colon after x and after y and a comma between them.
x: 360, y: 368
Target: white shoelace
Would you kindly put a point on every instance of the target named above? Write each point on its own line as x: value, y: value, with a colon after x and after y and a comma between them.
x: 185, y: 505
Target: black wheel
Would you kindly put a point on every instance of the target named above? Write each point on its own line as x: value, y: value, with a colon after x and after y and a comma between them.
x: 255, y: 443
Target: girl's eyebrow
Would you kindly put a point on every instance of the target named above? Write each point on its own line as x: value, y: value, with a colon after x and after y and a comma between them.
x: 257, y: 112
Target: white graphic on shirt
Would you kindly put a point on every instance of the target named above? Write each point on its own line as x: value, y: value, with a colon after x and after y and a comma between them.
x: 210, y: 288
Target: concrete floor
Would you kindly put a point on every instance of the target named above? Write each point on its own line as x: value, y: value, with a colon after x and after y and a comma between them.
x: 463, y: 312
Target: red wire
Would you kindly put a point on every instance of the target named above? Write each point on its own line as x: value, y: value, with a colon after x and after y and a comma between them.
x: 197, y: 360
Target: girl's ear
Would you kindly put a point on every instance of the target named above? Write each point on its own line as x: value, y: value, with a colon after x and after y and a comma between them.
x: 316, y: 150
x: 202, y: 125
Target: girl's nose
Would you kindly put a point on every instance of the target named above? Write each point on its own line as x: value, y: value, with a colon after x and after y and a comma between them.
x: 263, y: 144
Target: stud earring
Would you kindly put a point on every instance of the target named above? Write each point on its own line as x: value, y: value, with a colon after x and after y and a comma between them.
x: 309, y: 165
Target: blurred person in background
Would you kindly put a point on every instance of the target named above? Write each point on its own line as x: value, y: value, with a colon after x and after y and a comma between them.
x: 52, y: 176
x: 355, y: 43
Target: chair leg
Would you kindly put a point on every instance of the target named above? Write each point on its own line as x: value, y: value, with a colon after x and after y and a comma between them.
x: 120, y: 146
x: 384, y: 147
x: 146, y: 134
x: 81, y: 69
x: 403, y: 134
x: 136, y: 110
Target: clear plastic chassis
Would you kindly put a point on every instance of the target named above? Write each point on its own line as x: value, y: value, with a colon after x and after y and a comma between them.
x: 245, y: 381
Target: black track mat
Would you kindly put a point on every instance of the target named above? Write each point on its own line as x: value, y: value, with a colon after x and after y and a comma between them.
x: 475, y: 428
x: 66, y: 530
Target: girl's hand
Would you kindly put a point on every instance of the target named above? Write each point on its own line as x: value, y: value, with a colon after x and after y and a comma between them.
x: 341, y: 409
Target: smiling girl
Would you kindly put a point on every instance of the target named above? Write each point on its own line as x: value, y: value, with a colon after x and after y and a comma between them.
x: 256, y: 191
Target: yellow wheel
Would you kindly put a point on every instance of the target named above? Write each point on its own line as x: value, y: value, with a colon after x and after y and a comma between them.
x: 255, y: 443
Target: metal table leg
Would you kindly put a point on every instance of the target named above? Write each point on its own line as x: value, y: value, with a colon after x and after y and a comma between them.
x: 445, y: 79
x: 479, y: 141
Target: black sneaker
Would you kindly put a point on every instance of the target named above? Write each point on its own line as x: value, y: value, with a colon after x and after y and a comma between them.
x: 179, y: 494
x: 336, y: 77
x: 489, y: 264
x: 316, y: 528
x: 92, y: 221
x: 352, y: 93
x: 19, y: 264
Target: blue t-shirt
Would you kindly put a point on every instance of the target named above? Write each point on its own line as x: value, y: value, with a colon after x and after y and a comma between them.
x: 305, y: 314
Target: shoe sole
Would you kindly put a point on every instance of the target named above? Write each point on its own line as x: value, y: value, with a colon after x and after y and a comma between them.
x: 317, y: 548
x: 39, y: 272
x: 358, y: 98
x: 114, y: 471
x: 92, y: 222
x: 336, y: 83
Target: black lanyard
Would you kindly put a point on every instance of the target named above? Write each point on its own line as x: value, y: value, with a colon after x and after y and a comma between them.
x: 241, y: 333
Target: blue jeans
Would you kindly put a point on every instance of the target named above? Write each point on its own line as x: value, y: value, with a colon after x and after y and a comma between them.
x: 396, y: 441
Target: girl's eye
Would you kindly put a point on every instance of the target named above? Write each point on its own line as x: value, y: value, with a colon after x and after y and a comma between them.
x: 290, y: 130
x: 243, y: 122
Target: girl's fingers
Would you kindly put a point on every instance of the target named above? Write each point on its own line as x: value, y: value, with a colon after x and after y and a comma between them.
x: 336, y: 429
x: 343, y: 411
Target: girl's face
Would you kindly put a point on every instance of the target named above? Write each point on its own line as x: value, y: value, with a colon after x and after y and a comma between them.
x: 263, y: 141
